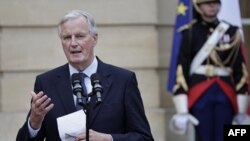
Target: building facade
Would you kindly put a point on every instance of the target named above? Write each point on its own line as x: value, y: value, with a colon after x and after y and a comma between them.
x: 135, y: 34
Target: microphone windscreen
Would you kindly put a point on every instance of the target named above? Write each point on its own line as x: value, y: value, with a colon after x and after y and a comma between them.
x: 75, y: 78
x: 95, y: 78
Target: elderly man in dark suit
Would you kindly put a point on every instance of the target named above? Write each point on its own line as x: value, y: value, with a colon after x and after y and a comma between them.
x: 119, y: 117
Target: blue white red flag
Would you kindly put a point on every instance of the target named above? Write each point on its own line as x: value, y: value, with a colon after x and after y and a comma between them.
x: 230, y: 12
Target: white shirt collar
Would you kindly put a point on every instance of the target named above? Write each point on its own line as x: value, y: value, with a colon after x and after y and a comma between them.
x: 91, y: 69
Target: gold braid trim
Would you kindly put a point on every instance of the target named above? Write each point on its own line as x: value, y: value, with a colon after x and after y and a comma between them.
x: 180, y: 79
x: 215, y: 59
x: 235, y: 42
x: 243, y: 79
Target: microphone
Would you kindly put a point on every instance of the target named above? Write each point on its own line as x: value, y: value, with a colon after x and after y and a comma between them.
x: 77, y: 87
x: 97, y: 87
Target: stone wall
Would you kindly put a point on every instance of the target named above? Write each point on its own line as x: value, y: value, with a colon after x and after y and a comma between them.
x: 135, y: 34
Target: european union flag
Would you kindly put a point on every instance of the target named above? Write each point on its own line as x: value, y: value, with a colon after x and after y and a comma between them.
x: 183, y: 17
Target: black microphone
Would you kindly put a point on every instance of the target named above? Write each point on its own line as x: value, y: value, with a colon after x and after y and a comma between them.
x: 97, y: 87
x: 77, y: 87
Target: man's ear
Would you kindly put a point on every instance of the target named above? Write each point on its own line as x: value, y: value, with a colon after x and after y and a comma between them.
x: 95, y: 38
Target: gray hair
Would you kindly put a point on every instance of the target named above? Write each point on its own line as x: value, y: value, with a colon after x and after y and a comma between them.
x: 76, y: 14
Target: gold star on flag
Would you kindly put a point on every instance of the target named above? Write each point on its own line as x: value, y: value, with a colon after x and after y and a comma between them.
x: 181, y: 9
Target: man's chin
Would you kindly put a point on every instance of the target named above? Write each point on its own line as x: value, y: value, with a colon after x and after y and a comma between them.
x: 75, y: 62
x: 76, y: 59
x: 211, y: 15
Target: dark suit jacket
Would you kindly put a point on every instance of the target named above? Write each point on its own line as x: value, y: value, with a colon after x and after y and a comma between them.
x: 120, y: 114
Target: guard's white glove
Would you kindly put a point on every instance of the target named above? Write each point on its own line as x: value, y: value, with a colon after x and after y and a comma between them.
x: 179, y: 122
x: 240, y: 118
x: 242, y: 102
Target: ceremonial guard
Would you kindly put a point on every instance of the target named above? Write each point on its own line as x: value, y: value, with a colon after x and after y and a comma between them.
x: 211, y: 87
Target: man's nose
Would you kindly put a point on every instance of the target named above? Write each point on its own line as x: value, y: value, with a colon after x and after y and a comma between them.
x: 73, y: 41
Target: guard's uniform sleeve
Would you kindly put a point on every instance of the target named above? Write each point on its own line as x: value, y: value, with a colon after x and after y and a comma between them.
x: 240, y: 72
x: 183, y: 63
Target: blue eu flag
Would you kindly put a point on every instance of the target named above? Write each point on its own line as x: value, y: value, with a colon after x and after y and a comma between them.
x: 183, y: 17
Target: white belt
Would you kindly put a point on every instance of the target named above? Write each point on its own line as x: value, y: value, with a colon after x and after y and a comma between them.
x: 210, y: 71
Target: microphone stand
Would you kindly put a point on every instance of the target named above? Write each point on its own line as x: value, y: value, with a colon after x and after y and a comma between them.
x: 87, y: 122
x: 86, y: 111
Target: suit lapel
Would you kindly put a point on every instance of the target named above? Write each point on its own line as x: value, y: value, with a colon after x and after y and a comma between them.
x: 94, y: 108
x: 64, y: 89
x: 63, y: 86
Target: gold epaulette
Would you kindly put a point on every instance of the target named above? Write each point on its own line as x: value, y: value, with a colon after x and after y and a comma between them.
x: 187, y: 26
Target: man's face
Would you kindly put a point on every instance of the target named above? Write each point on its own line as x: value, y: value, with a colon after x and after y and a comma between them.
x: 77, y: 42
x: 210, y: 9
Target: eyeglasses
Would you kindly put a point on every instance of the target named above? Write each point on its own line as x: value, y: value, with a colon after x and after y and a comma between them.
x: 69, y: 136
